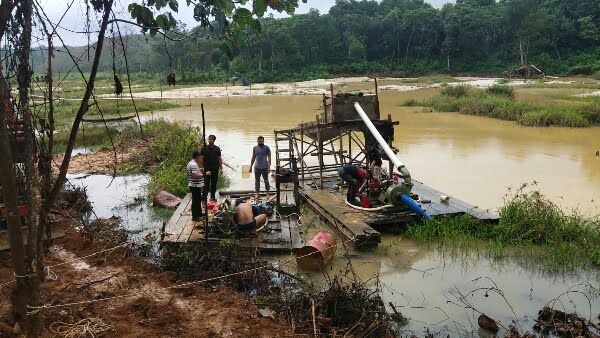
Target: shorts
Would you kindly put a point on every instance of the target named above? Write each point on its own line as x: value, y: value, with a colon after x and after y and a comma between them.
x: 247, y: 226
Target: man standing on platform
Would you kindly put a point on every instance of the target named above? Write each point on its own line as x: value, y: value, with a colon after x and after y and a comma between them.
x: 212, y: 163
x: 261, y: 155
x: 195, y: 183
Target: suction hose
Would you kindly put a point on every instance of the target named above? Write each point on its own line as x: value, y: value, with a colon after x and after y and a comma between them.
x: 406, y: 185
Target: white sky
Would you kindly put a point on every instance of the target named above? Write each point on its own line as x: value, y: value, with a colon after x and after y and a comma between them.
x: 75, y: 19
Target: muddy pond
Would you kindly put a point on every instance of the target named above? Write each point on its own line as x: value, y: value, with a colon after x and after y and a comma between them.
x: 473, y: 158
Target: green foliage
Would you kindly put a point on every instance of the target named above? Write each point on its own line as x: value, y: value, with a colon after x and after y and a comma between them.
x: 501, y: 90
x: 527, y: 220
x: 171, y: 147
x: 456, y: 91
x: 498, y: 102
x: 87, y: 137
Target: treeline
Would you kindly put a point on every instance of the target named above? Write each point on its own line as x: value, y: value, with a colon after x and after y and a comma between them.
x: 391, y: 37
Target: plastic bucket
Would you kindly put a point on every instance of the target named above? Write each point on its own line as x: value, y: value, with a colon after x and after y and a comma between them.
x: 365, y: 202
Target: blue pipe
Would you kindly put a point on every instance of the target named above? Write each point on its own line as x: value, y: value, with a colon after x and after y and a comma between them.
x: 414, y: 207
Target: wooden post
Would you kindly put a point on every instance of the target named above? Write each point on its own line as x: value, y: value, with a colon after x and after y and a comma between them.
x: 377, y: 98
x: 341, y: 147
x: 332, y: 104
x: 350, y: 147
x: 391, y: 165
x: 320, y: 153
x: 301, y: 155
x: 205, y: 200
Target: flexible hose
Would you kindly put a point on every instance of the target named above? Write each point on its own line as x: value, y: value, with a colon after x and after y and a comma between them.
x: 383, y: 207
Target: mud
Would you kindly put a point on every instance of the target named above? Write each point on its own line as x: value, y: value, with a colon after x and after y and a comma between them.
x: 103, y: 160
x: 150, y: 311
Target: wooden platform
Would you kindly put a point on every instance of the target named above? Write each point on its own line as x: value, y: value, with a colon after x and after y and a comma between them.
x: 58, y: 231
x: 364, y: 226
x: 281, y: 235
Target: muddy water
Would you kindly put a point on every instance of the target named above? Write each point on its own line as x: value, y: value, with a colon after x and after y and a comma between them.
x: 445, y: 292
x: 474, y: 158
x: 115, y: 197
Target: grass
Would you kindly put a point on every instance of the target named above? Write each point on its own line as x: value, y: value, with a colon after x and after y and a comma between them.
x: 499, y: 102
x: 529, y: 222
x: 65, y: 111
x: 170, y: 148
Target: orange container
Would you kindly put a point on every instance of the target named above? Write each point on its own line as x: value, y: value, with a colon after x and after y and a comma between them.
x: 317, y: 253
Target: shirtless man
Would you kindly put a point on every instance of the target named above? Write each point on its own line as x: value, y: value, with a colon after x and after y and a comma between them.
x: 249, y: 218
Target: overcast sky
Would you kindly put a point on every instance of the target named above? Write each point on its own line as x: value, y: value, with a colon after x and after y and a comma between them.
x: 75, y: 19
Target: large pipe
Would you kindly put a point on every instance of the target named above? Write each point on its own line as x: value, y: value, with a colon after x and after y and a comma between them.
x: 386, y: 148
x: 401, y: 192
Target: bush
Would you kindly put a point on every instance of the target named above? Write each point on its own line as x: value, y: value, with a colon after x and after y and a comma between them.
x: 501, y: 90
x: 561, y: 116
x: 456, y: 91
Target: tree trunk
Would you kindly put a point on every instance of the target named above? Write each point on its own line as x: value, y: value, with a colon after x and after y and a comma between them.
x: 8, y: 180
x: 408, y: 45
x: 557, y: 51
x: 521, y: 53
x: 30, y: 156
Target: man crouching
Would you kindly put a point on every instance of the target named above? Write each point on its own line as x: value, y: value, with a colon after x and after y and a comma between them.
x: 248, y: 218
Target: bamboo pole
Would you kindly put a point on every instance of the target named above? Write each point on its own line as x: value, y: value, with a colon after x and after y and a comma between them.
x: 206, y: 199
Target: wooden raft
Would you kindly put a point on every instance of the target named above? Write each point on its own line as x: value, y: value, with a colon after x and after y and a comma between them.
x: 349, y: 222
x: 362, y: 226
x: 282, y: 235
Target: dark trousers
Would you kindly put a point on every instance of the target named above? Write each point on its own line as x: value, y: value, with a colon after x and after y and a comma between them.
x: 264, y: 173
x: 210, y: 183
x: 352, y: 184
x: 197, y: 198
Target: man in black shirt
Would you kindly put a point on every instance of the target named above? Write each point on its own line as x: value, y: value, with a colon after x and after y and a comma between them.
x: 213, y: 165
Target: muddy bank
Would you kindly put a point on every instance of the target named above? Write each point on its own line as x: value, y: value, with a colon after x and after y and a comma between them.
x: 104, y: 160
x: 314, y: 87
x: 149, y: 308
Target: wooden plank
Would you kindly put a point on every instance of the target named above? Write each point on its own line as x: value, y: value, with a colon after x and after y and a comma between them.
x: 336, y: 207
x: 174, y: 227
x: 58, y: 231
x: 186, y: 230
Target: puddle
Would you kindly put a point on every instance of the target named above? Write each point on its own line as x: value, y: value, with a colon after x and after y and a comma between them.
x: 115, y: 197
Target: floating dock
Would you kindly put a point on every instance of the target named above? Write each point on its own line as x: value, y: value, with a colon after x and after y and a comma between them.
x: 307, y: 158
x: 283, y: 234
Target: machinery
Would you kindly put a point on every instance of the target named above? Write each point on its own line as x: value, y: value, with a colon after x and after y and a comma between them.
x: 224, y: 223
x: 391, y: 192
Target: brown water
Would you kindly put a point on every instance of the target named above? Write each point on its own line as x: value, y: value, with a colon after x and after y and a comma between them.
x: 474, y: 158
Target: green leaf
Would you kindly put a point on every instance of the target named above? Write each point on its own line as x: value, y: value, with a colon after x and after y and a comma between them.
x: 243, y: 17
x: 161, y: 21
x: 174, y: 5
x: 260, y: 7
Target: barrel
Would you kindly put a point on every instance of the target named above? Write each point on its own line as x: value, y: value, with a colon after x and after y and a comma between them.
x: 317, y: 252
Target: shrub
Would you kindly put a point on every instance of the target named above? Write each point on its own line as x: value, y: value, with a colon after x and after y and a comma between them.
x: 456, y: 91
x: 501, y: 90
x: 554, y: 117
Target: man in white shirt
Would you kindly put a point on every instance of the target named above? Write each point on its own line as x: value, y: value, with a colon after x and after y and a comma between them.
x: 195, y: 183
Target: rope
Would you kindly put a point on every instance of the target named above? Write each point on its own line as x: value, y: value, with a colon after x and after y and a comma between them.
x: 53, y: 276
x: 36, y: 309
x: 81, y: 329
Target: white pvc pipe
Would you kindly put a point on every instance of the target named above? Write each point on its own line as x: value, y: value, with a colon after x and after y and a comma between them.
x: 386, y: 148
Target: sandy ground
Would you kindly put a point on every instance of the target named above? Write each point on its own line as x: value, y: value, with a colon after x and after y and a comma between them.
x: 153, y: 311
x: 314, y: 87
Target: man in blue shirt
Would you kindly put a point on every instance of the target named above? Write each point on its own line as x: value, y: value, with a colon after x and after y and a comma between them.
x: 261, y: 161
